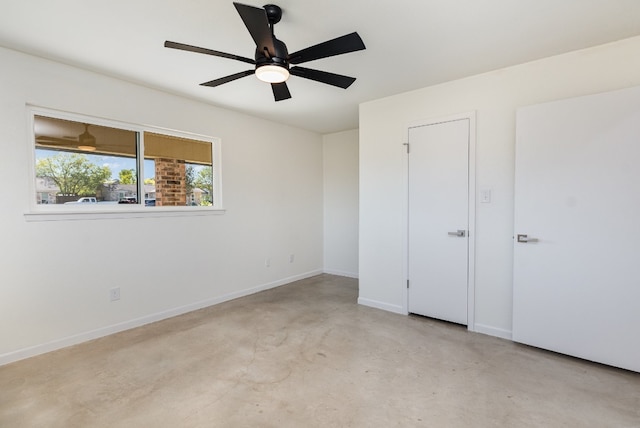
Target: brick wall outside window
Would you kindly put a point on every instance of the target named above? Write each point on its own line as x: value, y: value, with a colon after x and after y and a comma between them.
x: 170, y: 182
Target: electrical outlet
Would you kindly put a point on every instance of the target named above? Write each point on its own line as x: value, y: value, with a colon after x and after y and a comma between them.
x: 291, y: 258
x: 114, y: 294
x: 267, y: 262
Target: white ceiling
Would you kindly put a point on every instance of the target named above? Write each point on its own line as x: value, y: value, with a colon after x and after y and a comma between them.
x: 410, y: 44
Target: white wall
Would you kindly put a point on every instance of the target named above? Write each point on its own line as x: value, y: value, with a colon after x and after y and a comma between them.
x: 495, y: 96
x: 340, y: 153
x: 55, y: 276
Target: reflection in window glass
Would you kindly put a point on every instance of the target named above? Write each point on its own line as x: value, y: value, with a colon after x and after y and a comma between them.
x: 84, y: 163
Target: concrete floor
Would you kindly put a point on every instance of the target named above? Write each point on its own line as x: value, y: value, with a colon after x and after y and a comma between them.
x: 306, y: 355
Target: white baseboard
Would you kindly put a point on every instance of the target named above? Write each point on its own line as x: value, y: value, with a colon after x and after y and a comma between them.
x: 341, y: 273
x: 32, y: 351
x: 493, y: 331
x: 381, y: 305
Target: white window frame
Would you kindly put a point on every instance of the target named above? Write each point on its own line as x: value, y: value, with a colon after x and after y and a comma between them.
x: 54, y: 212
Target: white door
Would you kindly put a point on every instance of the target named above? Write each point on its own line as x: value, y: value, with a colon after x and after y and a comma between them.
x: 576, y: 283
x: 438, y: 222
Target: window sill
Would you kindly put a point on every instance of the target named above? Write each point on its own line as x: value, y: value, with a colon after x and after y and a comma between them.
x: 91, y: 213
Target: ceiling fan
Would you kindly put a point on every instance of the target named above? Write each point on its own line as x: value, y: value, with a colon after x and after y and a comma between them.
x: 57, y: 135
x: 272, y: 59
x: 85, y: 141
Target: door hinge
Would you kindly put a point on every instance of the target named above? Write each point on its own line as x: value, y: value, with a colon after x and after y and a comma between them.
x: 406, y: 144
x: 407, y: 283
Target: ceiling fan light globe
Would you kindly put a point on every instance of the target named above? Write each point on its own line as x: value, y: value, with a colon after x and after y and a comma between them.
x: 272, y: 73
x: 87, y: 148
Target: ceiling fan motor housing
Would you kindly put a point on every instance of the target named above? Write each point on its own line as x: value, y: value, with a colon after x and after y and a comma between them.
x: 281, y: 53
x: 263, y: 57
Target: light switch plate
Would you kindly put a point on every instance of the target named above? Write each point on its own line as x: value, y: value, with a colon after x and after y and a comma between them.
x: 485, y: 196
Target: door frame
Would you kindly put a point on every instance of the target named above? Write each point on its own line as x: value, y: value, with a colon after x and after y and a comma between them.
x: 471, y: 253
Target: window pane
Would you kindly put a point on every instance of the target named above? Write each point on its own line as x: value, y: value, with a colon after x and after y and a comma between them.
x: 182, y: 168
x: 84, y: 163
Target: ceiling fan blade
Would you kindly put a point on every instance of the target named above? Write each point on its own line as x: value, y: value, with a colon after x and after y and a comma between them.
x: 323, y: 76
x: 256, y: 21
x: 227, y: 79
x: 338, y: 46
x: 182, y: 46
x: 53, y: 141
x: 280, y: 91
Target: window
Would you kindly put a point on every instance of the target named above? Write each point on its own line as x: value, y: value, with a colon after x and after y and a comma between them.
x: 83, y: 162
x: 183, y: 170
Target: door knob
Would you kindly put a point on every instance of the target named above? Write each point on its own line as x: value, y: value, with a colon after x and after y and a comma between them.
x: 524, y: 239
x: 458, y: 233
